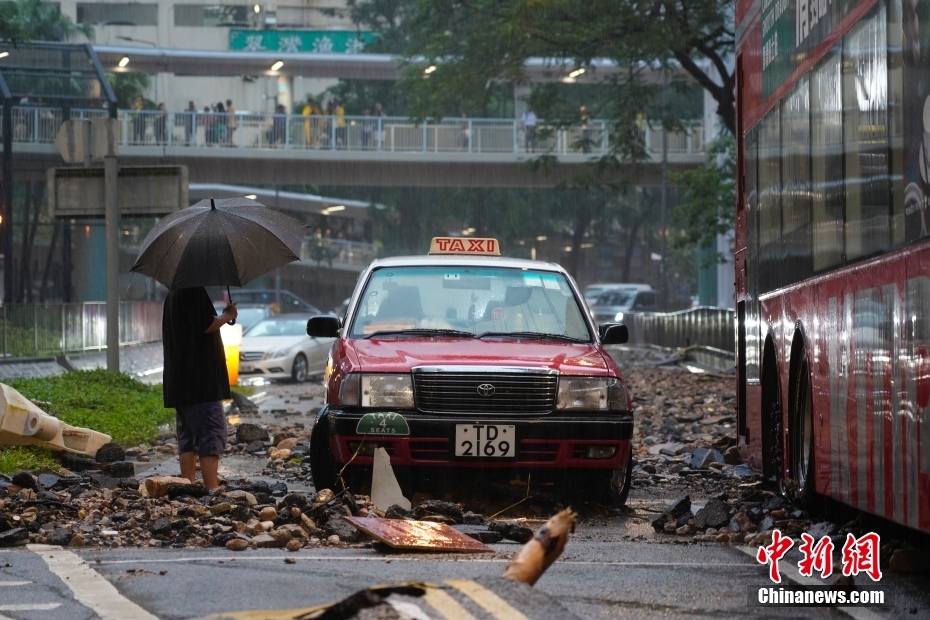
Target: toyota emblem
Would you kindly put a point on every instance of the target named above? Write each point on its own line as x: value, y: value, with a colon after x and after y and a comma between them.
x: 486, y: 389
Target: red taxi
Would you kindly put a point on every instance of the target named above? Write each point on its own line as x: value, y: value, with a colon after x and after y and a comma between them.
x: 464, y: 359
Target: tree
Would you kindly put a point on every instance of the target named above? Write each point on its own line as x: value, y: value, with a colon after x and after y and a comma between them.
x: 22, y: 21
x: 711, y: 194
x: 127, y: 86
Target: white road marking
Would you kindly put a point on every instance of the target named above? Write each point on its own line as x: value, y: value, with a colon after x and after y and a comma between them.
x: 89, y: 587
x: 790, y: 570
x: 9, y: 584
x: 30, y: 607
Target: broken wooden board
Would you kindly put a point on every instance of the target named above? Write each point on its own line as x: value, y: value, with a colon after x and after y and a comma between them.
x: 418, y: 535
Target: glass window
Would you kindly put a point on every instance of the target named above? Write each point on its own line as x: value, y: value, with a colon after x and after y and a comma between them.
x: 770, y: 212
x: 865, y: 99
x: 796, y: 179
x: 117, y: 14
x: 752, y: 250
x: 473, y: 300
x: 896, y: 120
x: 827, y: 164
x: 211, y: 15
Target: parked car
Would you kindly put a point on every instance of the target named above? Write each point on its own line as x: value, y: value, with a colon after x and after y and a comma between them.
x: 279, y: 348
x: 614, y: 305
x: 249, y: 314
x: 289, y: 302
x: 593, y: 291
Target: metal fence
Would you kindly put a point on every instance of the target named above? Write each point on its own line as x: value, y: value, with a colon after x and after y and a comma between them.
x: 34, y: 330
x: 33, y: 124
x: 709, y: 327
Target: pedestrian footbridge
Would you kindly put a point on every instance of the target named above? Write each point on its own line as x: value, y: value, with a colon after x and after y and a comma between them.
x: 289, y: 149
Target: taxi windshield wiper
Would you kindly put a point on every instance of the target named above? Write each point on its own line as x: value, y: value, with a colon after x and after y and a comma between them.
x: 533, y: 335
x: 420, y: 331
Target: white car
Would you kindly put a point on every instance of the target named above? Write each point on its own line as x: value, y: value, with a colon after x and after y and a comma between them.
x: 279, y: 348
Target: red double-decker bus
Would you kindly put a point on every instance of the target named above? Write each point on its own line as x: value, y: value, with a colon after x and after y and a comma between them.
x: 832, y: 249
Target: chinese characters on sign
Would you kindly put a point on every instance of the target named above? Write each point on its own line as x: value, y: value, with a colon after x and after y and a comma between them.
x: 860, y: 555
x: 294, y: 41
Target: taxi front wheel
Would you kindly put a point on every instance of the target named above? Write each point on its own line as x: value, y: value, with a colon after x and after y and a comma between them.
x: 322, y: 466
x: 620, y: 482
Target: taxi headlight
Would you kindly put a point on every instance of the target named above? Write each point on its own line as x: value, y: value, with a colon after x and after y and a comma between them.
x: 277, y: 353
x: 349, y: 389
x: 618, y: 316
x: 387, y: 391
x: 601, y: 393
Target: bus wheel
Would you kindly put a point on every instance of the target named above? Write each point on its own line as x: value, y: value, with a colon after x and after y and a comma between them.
x: 322, y: 466
x: 802, y: 444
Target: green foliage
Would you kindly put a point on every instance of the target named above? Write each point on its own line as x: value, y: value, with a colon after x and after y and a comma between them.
x: 22, y: 21
x: 26, y: 457
x: 711, y: 198
x: 111, y: 403
x: 127, y: 86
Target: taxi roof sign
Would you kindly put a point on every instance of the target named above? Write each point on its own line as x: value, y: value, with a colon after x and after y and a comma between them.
x: 480, y: 246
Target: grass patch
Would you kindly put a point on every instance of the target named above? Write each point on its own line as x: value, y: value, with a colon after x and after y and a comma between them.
x: 112, y: 403
x: 19, y: 458
x: 244, y: 390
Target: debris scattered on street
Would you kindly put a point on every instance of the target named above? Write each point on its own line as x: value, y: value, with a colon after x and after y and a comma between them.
x: 542, y: 550
x: 418, y: 535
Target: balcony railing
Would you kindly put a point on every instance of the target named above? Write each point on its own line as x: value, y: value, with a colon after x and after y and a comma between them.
x: 39, y: 125
x: 709, y: 327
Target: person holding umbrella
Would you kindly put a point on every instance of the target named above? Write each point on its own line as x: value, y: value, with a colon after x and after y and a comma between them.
x: 213, y: 243
x: 196, y: 380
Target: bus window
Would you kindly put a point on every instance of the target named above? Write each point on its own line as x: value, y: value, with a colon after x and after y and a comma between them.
x: 827, y: 168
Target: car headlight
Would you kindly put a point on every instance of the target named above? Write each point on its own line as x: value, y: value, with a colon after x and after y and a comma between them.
x: 278, y: 353
x: 387, y: 391
x: 618, y: 316
x: 591, y: 393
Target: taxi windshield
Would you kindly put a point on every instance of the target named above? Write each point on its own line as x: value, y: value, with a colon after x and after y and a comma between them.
x: 278, y: 327
x: 472, y: 301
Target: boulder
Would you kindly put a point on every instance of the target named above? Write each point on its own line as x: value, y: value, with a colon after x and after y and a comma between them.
x: 267, y: 514
x: 438, y: 507
x: 247, y: 433
x: 118, y: 469
x: 180, y: 489
x: 15, y: 536
x: 511, y: 530
x: 157, y: 486
x: 671, y: 514
x: 25, y: 480
x: 60, y: 537
x: 715, y: 514
x: 287, y: 444
x: 237, y: 544
x: 396, y: 511
x: 110, y: 453
x: 337, y: 526
x: 241, y: 495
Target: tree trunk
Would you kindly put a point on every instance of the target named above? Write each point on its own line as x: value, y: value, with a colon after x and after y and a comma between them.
x: 630, y: 247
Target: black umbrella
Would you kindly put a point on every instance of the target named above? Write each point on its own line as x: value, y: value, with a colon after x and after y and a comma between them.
x: 219, y: 243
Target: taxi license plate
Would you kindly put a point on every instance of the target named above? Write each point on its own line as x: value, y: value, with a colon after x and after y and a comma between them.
x: 245, y: 367
x: 485, y: 440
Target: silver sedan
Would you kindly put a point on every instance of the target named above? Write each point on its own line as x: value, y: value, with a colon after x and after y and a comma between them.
x: 279, y: 348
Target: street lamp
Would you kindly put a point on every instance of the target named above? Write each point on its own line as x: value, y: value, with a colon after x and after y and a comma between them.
x: 123, y: 61
x: 277, y: 65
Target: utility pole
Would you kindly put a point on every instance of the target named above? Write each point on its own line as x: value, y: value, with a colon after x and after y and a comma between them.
x: 663, y: 279
x: 111, y: 215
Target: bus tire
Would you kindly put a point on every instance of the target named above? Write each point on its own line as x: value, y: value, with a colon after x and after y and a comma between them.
x: 802, y: 435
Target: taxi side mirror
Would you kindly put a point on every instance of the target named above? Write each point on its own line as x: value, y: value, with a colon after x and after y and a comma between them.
x: 324, y: 326
x: 613, y: 333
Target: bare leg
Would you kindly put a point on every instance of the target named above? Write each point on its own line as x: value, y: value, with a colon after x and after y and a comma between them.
x: 188, y: 465
x: 209, y: 466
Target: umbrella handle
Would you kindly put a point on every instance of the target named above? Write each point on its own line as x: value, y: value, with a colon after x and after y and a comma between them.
x: 228, y: 294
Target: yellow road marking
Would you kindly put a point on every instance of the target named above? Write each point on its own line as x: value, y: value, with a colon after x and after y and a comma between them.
x: 492, y: 603
x: 450, y: 608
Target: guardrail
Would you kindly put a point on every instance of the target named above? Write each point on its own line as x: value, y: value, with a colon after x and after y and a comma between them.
x: 39, y: 125
x: 33, y: 330
x: 709, y: 327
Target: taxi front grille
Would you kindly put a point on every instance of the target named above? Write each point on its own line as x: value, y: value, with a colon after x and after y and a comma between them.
x: 251, y: 356
x: 465, y: 392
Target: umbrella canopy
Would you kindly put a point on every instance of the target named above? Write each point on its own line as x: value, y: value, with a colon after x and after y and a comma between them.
x: 219, y: 243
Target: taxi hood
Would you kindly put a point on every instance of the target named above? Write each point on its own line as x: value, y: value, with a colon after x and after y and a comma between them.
x: 402, y: 354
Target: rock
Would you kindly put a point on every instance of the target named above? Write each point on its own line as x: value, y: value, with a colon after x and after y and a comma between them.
x: 267, y: 514
x: 669, y: 449
x: 60, y: 537
x: 649, y: 468
x: 157, y: 486
x: 266, y: 541
x: 669, y: 527
x: 176, y: 490
x: 723, y: 537
x: 731, y: 456
x: 78, y: 463
x: 671, y: 514
x: 511, y: 530
x: 438, y: 507
x: 481, y: 533
x: 333, y: 540
x: 161, y: 527
x: 396, y: 511
x: 240, y: 513
x: 287, y: 444
x: 819, y: 530
x: 13, y: 536
x: 278, y: 489
x: 739, y: 471
x: 241, y: 495
x: 766, y: 524
x: 279, y: 437
x: 684, y: 530
x: 470, y: 518
x: 744, y: 522
x: 247, y: 433
x: 337, y: 526
x: 48, y: 480
x: 25, y: 480
x: 119, y: 469
x: 293, y: 545
x: 110, y: 453
x: 774, y: 503
x: 714, y: 514
x: 255, y: 446
x: 703, y: 457
x: 276, y: 454
x: 194, y: 510
x: 683, y: 519
x: 221, y: 508
x: 909, y: 561
x: 222, y: 538
x: 77, y: 541
x: 295, y: 500
x: 244, y: 405
x: 323, y: 496
x: 237, y: 544
x: 282, y: 536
